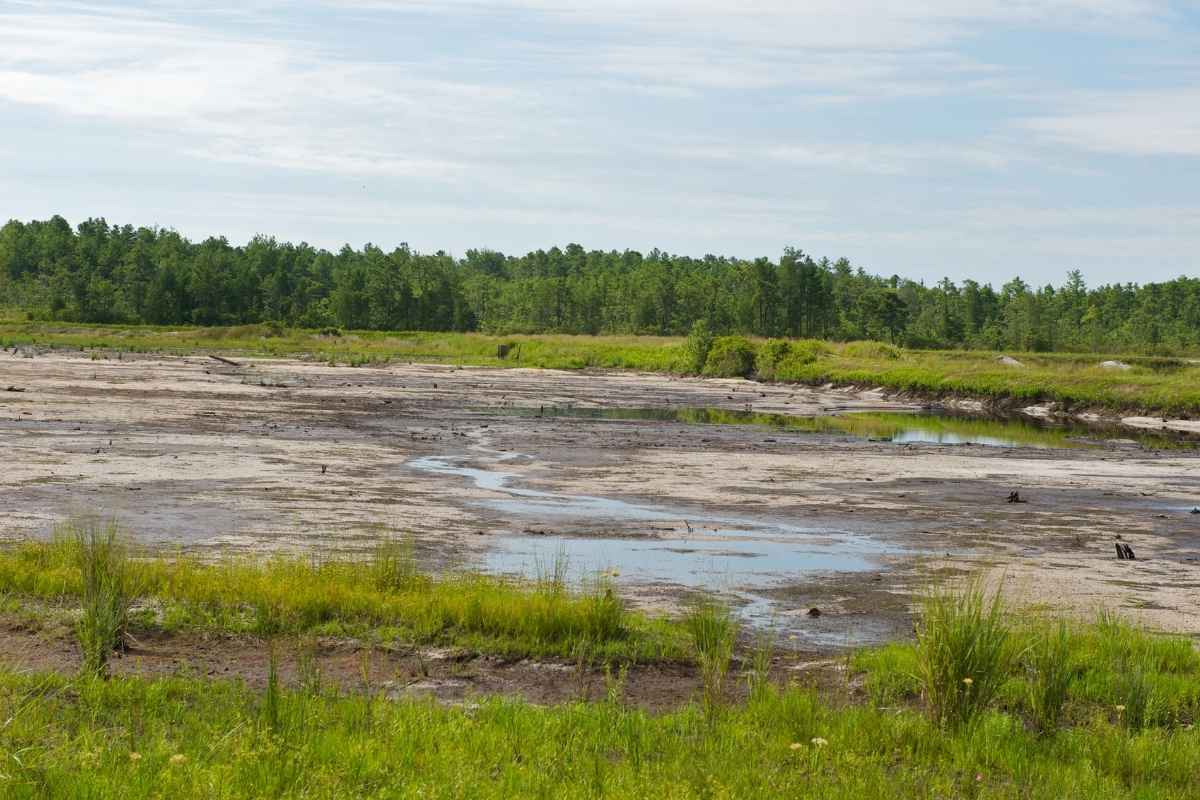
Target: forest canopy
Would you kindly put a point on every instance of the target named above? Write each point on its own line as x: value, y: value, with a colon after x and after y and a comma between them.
x: 104, y: 273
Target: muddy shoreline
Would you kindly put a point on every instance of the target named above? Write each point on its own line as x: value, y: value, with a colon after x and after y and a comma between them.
x: 286, y: 455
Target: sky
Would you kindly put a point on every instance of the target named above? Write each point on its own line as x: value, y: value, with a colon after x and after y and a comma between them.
x: 925, y: 138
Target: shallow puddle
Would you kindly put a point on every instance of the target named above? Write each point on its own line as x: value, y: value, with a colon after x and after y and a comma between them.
x: 901, y: 428
x: 722, y: 553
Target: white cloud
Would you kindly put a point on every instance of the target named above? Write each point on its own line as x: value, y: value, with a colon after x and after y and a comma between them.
x: 724, y: 126
x: 1144, y: 123
x: 250, y: 99
x: 830, y: 24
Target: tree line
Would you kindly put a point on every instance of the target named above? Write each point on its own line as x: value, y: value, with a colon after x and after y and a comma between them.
x: 97, y: 272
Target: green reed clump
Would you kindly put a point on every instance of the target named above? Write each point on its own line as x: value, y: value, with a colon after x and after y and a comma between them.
x: 964, y: 652
x: 105, y: 592
x: 1048, y: 663
x: 713, y: 631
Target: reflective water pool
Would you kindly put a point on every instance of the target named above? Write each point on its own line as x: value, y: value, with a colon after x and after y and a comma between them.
x: 687, y: 548
x: 901, y: 428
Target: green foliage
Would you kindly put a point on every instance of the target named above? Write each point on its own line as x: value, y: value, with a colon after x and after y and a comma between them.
x: 184, y: 738
x: 102, y: 273
x: 1066, y: 675
x: 105, y: 591
x: 890, y: 673
x: 762, y: 654
x: 964, y: 652
x: 767, y: 359
x: 799, y: 355
x: 1067, y: 379
x: 714, y: 634
x: 385, y: 596
x: 394, y: 566
x: 876, y: 351
x: 697, y: 347
x: 730, y: 357
x: 1048, y: 662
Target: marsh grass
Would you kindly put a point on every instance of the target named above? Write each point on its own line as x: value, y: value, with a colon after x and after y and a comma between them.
x: 964, y: 651
x: 761, y: 656
x: 1064, y: 674
x: 105, y: 591
x: 1071, y: 379
x: 394, y: 565
x: 1048, y: 661
x: 713, y: 631
x: 385, y: 596
x: 197, y: 738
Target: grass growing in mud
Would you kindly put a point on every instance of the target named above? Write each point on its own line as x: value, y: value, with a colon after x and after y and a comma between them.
x: 1049, y: 674
x: 383, y: 598
x: 1074, y: 711
x: 104, y: 592
x: 1163, y: 385
x: 192, y: 738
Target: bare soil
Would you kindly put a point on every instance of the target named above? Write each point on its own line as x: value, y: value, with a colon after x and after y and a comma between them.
x: 284, y: 455
x: 446, y: 674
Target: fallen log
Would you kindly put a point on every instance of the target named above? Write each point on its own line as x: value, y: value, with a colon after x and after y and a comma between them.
x: 230, y: 362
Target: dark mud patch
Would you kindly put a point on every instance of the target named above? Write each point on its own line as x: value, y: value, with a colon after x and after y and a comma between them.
x: 447, y: 675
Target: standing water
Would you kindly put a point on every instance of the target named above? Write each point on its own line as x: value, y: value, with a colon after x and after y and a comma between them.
x: 735, y: 555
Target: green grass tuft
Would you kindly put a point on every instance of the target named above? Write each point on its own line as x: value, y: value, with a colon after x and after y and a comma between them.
x: 105, y: 591
x: 1048, y: 662
x: 964, y: 652
x: 714, y: 634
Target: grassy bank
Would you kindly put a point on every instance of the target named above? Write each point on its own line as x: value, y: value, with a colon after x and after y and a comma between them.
x: 1072, y: 380
x: 1119, y: 734
x: 384, y: 598
x: 984, y: 703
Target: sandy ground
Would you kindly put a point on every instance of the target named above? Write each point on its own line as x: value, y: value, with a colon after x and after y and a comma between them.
x: 286, y: 455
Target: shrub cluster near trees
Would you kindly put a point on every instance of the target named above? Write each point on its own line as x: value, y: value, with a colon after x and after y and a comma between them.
x: 98, y: 272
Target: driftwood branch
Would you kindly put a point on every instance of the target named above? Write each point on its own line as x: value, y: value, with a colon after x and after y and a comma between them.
x: 224, y: 360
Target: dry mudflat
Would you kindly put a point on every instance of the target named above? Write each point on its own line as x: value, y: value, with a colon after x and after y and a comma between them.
x: 284, y: 455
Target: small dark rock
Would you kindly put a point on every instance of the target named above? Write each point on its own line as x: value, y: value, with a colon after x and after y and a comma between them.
x: 814, y: 612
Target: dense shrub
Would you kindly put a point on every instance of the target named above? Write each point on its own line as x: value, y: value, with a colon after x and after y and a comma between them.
x: 695, y: 350
x: 730, y: 357
x: 770, y: 354
x: 868, y: 349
